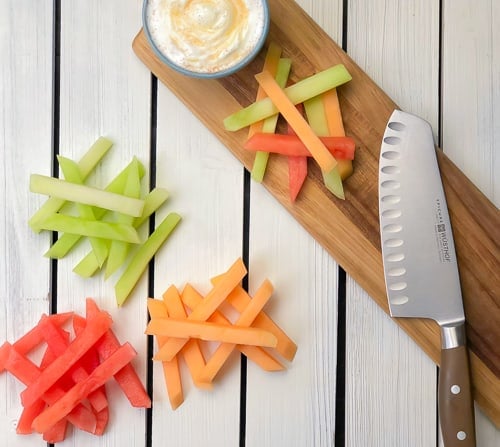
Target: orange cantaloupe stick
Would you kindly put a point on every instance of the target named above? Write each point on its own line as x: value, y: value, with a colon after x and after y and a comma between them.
x: 92, y: 332
x: 256, y: 354
x: 336, y: 126
x: 171, y: 371
x: 345, y: 168
x: 271, y: 66
x: 333, y: 113
x: 191, y: 352
x: 245, y: 319
x: 172, y: 377
x: 205, y: 330
x: 157, y: 309
x: 315, y: 113
x: 105, y: 371
x: 239, y: 299
x: 318, y: 150
x: 214, y: 298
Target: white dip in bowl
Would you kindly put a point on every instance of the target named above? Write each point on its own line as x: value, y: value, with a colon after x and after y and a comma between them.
x: 206, y: 38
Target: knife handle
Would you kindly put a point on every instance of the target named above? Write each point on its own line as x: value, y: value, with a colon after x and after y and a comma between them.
x: 456, y: 407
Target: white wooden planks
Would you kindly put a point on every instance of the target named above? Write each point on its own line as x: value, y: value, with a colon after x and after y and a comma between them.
x: 104, y: 90
x: 295, y: 407
x: 391, y: 384
x: 25, y: 147
x: 397, y: 44
x: 471, y: 91
x: 470, y: 111
x: 300, y: 400
x: 206, y: 186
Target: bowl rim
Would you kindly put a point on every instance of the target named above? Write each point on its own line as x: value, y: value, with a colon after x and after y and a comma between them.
x: 206, y: 75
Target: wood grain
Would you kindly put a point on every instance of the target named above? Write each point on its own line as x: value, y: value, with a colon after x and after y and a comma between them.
x: 94, y: 93
x: 301, y: 400
x: 205, y: 182
x: 366, y: 109
x: 469, y: 96
x: 391, y: 44
x: 25, y: 123
x: 391, y: 383
x: 470, y: 91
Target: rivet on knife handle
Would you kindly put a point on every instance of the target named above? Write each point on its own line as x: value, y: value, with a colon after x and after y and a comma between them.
x: 456, y: 408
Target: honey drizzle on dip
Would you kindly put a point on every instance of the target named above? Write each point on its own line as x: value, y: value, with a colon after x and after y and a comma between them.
x: 205, y: 36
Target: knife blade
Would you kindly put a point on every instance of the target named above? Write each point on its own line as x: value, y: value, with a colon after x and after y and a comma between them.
x: 420, y: 264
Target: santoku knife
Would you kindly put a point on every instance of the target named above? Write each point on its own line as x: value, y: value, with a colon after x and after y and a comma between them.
x: 420, y: 264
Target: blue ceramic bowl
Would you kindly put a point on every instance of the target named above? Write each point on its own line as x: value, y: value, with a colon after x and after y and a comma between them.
x: 214, y: 74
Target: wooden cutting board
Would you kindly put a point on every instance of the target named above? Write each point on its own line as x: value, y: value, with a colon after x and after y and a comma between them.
x: 349, y: 230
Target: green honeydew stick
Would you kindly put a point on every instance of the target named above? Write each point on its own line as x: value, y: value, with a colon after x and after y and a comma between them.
x: 85, y: 194
x: 118, y: 250
x: 86, y: 165
x: 315, y: 112
x: 67, y: 241
x: 71, y: 173
x: 90, y: 228
x: 269, y: 125
x: 88, y: 265
x: 156, y: 198
x: 333, y: 182
x: 301, y: 91
x: 144, y: 254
